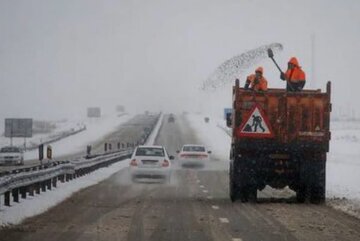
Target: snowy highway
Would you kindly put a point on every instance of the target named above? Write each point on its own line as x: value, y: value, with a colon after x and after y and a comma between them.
x: 194, y: 206
x: 99, y: 133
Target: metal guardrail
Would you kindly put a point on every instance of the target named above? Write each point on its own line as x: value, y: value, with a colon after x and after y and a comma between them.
x: 46, y: 176
x: 23, y: 181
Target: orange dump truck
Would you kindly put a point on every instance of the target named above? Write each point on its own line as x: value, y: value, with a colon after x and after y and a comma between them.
x: 279, y: 139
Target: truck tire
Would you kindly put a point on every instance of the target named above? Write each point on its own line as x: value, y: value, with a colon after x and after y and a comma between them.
x: 301, y: 194
x: 247, y: 179
x: 234, y: 188
x: 312, y: 180
x: 317, y: 187
x: 303, y: 183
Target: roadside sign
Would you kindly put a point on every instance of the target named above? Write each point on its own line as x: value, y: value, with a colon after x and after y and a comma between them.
x: 227, y: 112
x: 94, y: 112
x: 256, y: 124
x: 18, y: 127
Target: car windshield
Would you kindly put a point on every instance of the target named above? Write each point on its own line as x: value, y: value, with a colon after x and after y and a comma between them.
x: 150, y: 151
x: 194, y: 148
x: 9, y: 149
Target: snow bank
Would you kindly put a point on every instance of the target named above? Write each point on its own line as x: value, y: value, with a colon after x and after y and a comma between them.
x: 343, y: 165
x: 211, y: 135
x: 152, y: 137
x: 96, y: 128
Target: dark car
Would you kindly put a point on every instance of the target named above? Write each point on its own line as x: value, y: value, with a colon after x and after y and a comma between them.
x: 171, y: 118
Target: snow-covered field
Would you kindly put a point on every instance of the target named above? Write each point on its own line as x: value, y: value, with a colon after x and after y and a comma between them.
x: 61, y: 127
x: 42, y: 202
x: 95, y: 129
x: 343, y: 165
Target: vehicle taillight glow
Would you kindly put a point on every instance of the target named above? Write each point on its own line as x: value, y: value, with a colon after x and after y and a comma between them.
x: 165, y: 163
x: 133, y: 162
x: 194, y: 155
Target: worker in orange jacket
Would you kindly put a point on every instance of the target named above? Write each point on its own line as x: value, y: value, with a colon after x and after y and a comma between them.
x: 294, y: 76
x: 256, y: 81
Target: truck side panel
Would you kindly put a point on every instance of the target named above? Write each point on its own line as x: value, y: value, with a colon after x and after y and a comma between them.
x: 294, y: 117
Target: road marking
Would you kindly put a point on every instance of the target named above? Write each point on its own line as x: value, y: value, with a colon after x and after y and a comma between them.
x: 205, y: 191
x: 209, y: 197
x: 202, y: 186
x: 215, y: 207
x: 236, y: 239
x: 224, y: 220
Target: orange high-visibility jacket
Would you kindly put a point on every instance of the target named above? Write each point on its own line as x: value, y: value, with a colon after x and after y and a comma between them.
x: 296, y: 74
x: 261, y: 85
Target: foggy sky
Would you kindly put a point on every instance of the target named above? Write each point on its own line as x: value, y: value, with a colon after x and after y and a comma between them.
x: 59, y: 57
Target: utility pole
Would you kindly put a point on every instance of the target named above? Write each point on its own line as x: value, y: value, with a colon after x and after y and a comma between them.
x: 313, y: 78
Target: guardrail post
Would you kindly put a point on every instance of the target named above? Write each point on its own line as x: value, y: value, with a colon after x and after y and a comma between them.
x: 54, y: 182
x: 30, y: 189
x: 7, y: 198
x: 48, y: 184
x: 37, y: 188
x: 43, y: 186
x: 62, y: 178
x: 15, y: 194
x: 23, y: 192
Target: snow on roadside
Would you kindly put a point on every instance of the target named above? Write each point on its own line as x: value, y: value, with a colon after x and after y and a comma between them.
x: 211, y: 135
x: 342, y: 169
x: 152, y: 137
x: 95, y: 129
x: 32, y: 206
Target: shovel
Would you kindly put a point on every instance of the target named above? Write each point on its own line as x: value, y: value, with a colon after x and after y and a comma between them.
x: 271, y: 56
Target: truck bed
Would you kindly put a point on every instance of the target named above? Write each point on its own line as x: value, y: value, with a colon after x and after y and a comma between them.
x: 295, y: 119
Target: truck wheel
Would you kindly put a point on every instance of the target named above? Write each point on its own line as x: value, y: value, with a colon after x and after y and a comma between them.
x: 234, y: 188
x: 301, y: 194
x: 305, y: 174
x: 252, y: 194
x: 317, y: 188
x: 248, y: 183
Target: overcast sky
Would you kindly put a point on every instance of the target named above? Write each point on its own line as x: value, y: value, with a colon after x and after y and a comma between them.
x: 59, y: 57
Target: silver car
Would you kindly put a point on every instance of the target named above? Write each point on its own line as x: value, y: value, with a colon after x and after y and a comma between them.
x: 193, y: 156
x: 11, y: 155
x: 150, y: 162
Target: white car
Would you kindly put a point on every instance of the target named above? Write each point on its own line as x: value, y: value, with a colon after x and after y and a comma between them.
x: 150, y: 162
x: 193, y: 156
x: 11, y: 155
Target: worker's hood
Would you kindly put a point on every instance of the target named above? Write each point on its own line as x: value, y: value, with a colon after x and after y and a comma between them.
x: 260, y: 69
x: 294, y: 61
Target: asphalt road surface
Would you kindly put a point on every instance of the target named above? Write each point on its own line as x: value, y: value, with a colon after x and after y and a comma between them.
x: 194, y: 206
